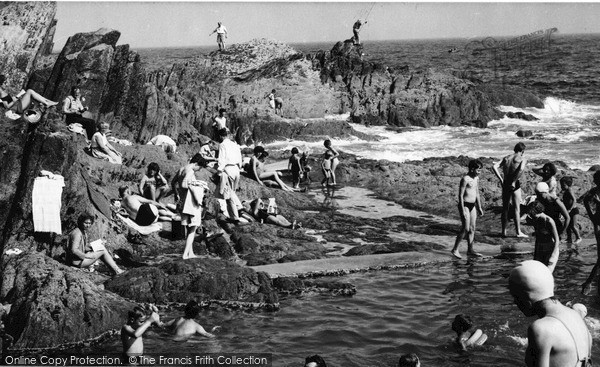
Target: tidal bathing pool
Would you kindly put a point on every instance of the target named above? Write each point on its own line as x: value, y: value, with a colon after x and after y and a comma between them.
x: 393, y: 313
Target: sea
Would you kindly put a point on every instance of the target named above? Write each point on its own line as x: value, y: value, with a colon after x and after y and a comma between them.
x: 401, y: 311
x: 564, y: 73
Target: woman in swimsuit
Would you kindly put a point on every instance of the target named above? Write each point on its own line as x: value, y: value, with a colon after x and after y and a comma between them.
x: 80, y: 254
x: 22, y: 102
x: 546, y: 235
x: 469, y: 205
x: 256, y: 170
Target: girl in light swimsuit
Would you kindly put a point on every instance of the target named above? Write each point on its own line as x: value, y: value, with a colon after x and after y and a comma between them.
x: 469, y: 205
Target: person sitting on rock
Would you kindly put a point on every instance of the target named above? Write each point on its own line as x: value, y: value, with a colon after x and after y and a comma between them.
x: 153, y: 185
x: 79, y: 251
x: 207, y: 151
x: 185, y: 326
x: 464, y: 338
x: 261, y: 214
x: 18, y: 104
x: 256, y: 169
x: 144, y: 211
x: 73, y: 109
x: 101, y: 148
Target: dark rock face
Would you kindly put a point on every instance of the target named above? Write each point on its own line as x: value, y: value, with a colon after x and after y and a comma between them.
x: 291, y: 285
x: 26, y: 31
x: 54, y: 304
x: 262, y: 244
x: 524, y: 133
x: 521, y: 116
x: 200, y: 279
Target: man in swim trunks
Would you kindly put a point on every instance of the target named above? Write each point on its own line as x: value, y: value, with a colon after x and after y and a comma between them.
x: 469, y: 205
x: 143, y: 211
x: 221, y: 35
x: 512, y: 167
x: 560, y: 336
x: 591, y: 201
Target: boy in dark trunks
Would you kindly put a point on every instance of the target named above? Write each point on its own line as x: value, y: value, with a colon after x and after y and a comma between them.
x: 512, y: 167
x: 469, y: 205
x: 566, y: 184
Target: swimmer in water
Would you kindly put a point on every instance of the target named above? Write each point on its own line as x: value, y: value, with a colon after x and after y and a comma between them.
x: 464, y: 338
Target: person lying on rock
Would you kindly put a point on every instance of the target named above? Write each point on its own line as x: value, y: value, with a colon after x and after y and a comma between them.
x: 73, y: 109
x: 185, y: 326
x: 101, y: 148
x: 256, y: 169
x: 138, y: 321
x: 22, y: 101
x: 144, y: 211
x: 153, y: 185
x: 80, y: 253
x: 261, y: 214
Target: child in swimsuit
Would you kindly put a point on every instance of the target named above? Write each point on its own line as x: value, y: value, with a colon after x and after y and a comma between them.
x: 464, y: 338
x: 469, y: 205
x: 566, y: 184
x: 153, y: 185
x: 326, y: 167
x: 295, y: 167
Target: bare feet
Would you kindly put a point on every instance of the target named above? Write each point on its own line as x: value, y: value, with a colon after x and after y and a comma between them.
x: 474, y: 254
x: 189, y: 256
x: 50, y: 103
x: 456, y: 254
x: 522, y: 235
x: 119, y: 271
x: 577, y: 241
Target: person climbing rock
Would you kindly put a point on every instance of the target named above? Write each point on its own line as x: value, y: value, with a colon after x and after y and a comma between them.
x: 356, y: 31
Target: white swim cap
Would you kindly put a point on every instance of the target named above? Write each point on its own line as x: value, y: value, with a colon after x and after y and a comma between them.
x: 542, y: 187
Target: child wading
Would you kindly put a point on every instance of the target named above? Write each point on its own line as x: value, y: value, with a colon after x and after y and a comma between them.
x: 469, y: 204
x: 295, y: 167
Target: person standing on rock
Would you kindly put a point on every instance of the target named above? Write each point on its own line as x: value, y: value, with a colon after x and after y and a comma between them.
x: 469, y: 205
x: 512, y: 167
x: 356, y: 31
x: 591, y: 201
x: 220, y: 121
x: 73, y: 109
x: 221, y: 35
x: 229, y: 162
x: 189, y: 190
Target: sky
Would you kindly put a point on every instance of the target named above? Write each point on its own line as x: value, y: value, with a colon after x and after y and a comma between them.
x: 188, y: 24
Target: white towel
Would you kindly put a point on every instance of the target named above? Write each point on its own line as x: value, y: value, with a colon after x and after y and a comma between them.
x: 142, y: 229
x: 46, y: 203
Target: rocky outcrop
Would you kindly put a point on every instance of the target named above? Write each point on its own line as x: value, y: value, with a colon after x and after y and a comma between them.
x: 26, y: 32
x: 54, y: 304
x: 200, y: 279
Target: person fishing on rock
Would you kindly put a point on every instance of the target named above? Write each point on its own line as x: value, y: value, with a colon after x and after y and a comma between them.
x: 356, y: 31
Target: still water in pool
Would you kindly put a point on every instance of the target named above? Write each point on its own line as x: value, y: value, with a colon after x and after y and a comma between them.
x: 392, y: 313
